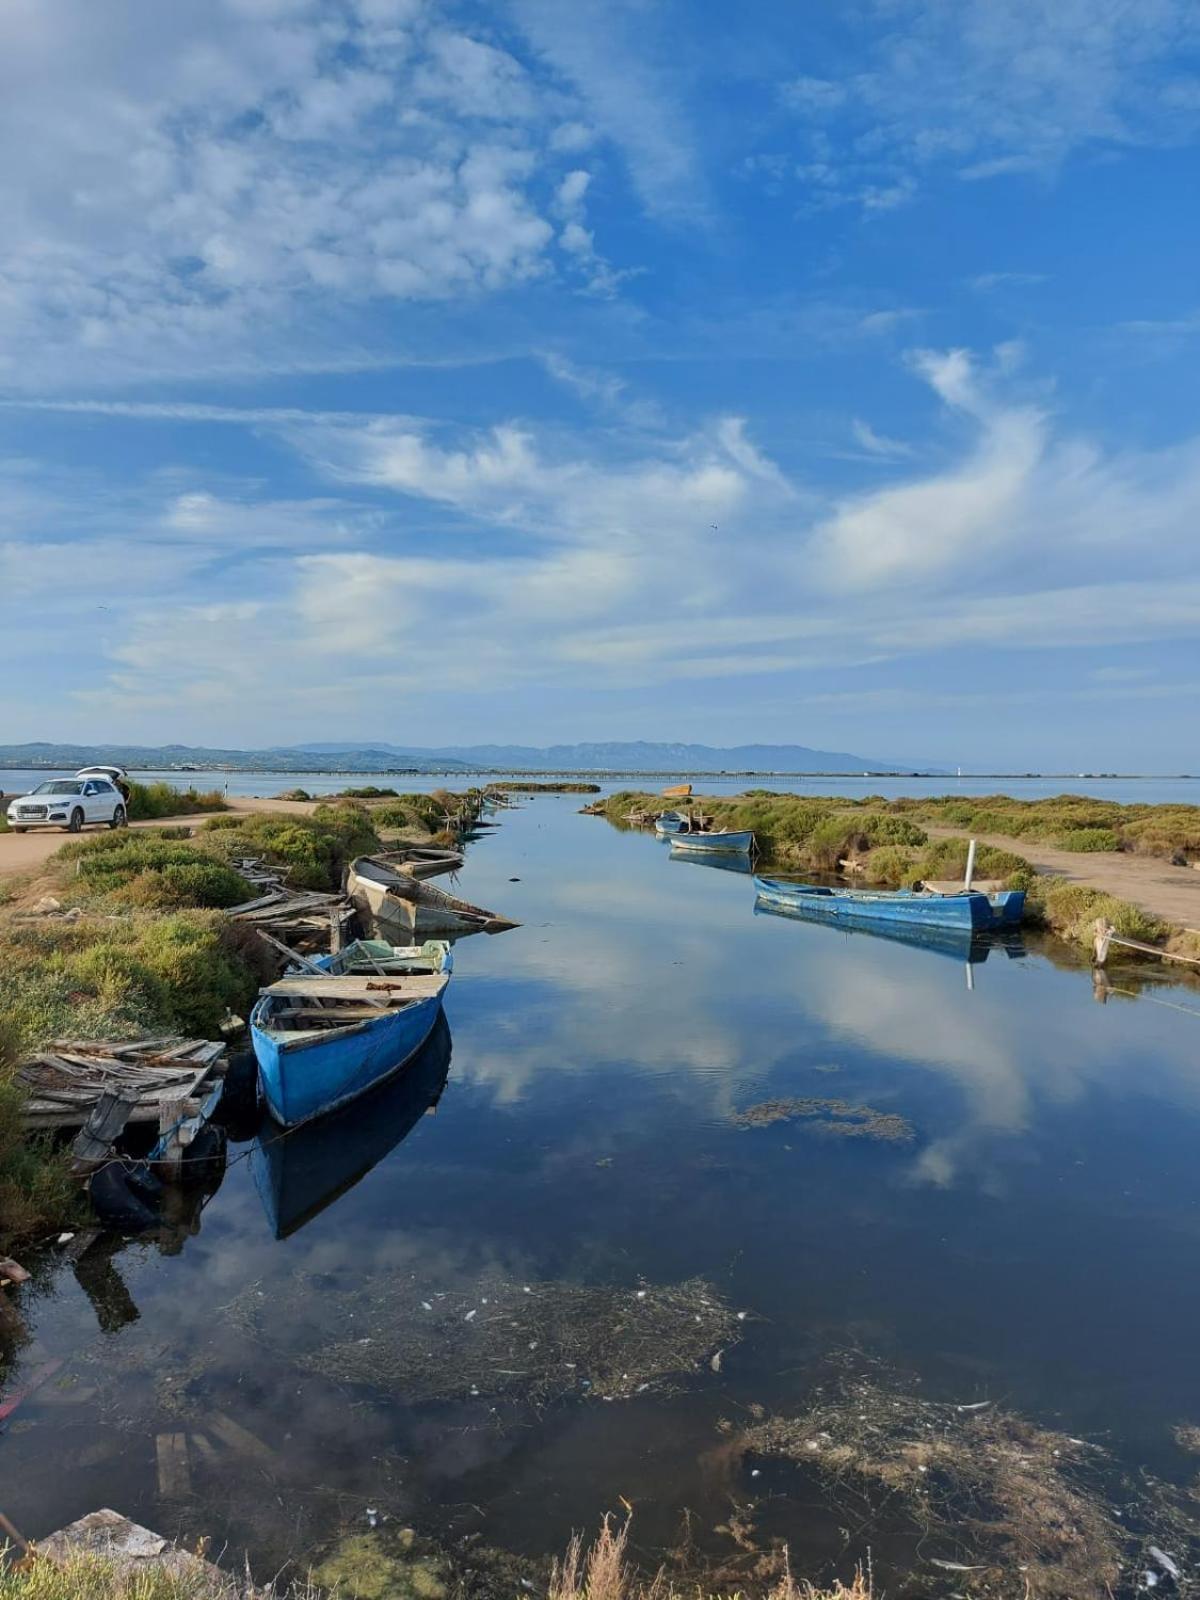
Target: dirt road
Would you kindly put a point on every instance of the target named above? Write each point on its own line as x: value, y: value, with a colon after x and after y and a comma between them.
x: 25, y: 852
x: 1171, y: 893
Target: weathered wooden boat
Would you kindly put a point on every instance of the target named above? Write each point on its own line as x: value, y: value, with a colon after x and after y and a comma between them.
x: 322, y: 1037
x: 678, y: 791
x: 671, y: 822
x: 963, y: 944
x: 423, y: 860
x: 966, y: 909
x: 723, y: 840
x: 402, y: 903
x: 300, y: 1174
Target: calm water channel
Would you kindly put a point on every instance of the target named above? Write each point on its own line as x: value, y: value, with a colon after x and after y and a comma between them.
x: 1035, y: 1243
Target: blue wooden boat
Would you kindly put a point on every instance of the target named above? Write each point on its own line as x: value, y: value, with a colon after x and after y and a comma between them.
x: 1008, y: 907
x: 968, y: 909
x: 671, y: 822
x: 325, y: 1036
x: 959, y: 944
x: 300, y: 1173
x: 723, y: 842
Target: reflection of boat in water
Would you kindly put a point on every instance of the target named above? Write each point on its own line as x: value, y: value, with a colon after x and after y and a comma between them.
x: 720, y: 862
x: 960, y: 944
x: 300, y: 1173
x: 969, y: 909
x: 417, y: 910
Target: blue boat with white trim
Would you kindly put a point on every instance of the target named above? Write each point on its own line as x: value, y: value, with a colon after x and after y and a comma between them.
x: 719, y: 841
x: 347, y: 1022
x: 968, y: 909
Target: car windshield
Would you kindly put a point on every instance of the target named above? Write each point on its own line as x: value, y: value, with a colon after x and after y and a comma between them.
x: 60, y: 786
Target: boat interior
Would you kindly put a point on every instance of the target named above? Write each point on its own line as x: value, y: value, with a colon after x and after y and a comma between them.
x: 310, y: 1004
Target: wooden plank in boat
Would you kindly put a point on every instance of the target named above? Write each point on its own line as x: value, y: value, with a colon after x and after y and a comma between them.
x: 336, y: 1016
x: 407, y: 986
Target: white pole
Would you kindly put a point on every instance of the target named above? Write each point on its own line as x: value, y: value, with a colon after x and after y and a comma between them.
x: 970, y: 865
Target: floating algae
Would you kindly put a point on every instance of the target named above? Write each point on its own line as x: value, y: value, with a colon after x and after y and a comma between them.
x: 537, y: 1341
x: 1026, y: 1511
x: 381, y: 1566
x: 836, y: 1117
x: 1187, y: 1437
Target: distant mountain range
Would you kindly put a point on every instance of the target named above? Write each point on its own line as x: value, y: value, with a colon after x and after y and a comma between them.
x: 615, y: 756
x: 641, y: 756
x: 153, y: 758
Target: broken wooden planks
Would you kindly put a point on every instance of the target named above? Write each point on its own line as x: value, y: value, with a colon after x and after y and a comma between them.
x: 65, y: 1082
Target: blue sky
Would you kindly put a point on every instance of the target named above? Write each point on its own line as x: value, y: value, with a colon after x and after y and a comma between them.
x: 584, y: 369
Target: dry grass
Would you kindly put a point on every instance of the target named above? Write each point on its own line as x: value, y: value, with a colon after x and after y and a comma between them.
x: 602, y: 1571
x: 88, y: 1576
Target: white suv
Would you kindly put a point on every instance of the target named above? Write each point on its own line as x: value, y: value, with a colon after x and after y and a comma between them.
x: 70, y: 803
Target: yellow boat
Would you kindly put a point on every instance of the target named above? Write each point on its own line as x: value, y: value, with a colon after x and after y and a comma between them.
x: 678, y: 791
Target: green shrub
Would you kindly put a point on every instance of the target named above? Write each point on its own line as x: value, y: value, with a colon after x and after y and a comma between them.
x: 1071, y: 909
x: 36, y: 1188
x: 294, y: 794
x: 883, y: 829
x: 893, y: 865
x: 111, y: 980
x: 144, y: 869
x: 315, y: 850
x: 832, y: 839
x: 368, y: 791
x: 1086, y: 839
x: 150, y: 800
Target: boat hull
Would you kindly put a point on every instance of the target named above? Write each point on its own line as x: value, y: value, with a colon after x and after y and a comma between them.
x: 972, y: 912
x: 300, y: 1176
x: 960, y: 944
x: 306, y: 1077
x: 1008, y: 907
x: 670, y: 822
x: 713, y: 843
x: 417, y: 910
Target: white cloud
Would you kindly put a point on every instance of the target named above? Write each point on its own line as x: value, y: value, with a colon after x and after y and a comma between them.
x: 986, y: 282
x: 608, y: 52
x: 180, y: 186
x: 1024, y: 499
x: 878, y: 444
x: 990, y: 87
x: 516, y: 556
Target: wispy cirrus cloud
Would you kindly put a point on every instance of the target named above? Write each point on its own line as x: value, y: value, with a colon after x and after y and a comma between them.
x: 983, y: 88
x: 543, y: 557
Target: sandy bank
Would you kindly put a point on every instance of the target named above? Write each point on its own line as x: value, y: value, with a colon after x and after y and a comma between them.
x: 25, y: 852
x: 1169, y: 893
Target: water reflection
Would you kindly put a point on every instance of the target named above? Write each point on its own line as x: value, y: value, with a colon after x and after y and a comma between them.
x: 715, y: 861
x: 302, y: 1171
x: 960, y: 944
x: 1027, y: 1243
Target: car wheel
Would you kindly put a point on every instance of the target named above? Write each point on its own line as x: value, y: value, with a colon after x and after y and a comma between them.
x: 76, y: 823
x: 118, y: 818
